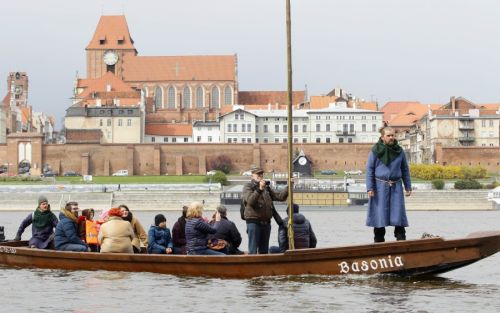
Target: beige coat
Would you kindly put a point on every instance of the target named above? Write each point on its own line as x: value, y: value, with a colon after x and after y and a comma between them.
x: 140, y: 234
x: 116, y: 236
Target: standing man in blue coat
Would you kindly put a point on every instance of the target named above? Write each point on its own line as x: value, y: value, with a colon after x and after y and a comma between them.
x: 386, y: 172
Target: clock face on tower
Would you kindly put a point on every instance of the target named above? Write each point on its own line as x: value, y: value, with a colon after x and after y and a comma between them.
x: 110, y: 57
x: 302, y: 161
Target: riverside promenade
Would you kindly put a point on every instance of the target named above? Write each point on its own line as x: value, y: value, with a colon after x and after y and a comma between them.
x: 147, y: 197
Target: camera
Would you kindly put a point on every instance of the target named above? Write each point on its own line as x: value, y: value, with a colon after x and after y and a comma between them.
x: 268, y: 183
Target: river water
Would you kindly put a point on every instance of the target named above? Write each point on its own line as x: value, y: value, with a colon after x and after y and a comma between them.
x: 475, y: 288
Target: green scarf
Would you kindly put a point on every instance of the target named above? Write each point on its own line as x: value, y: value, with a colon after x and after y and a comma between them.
x: 42, y: 219
x: 385, y: 153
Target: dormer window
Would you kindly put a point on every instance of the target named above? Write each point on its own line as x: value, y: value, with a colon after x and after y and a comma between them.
x: 121, y: 40
x: 102, y: 40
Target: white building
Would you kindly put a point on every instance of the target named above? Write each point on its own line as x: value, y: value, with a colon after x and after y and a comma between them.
x: 330, y: 125
x: 206, y: 132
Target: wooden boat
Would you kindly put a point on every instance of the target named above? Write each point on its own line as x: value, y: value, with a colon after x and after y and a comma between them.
x: 406, y: 258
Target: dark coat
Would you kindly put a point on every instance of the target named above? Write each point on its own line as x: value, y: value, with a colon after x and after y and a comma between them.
x: 197, y: 231
x: 303, y: 234
x: 40, y: 237
x: 227, y: 230
x: 66, y: 232
x: 179, y: 234
x: 259, y: 203
x: 159, y: 240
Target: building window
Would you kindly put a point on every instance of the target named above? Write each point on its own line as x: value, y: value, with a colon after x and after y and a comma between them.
x: 214, y: 98
x: 328, y: 140
x: 363, y: 127
x: 295, y: 128
x: 165, y: 139
x: 249, y: 127
x: 318, y: 127
x: 256, y: 140
x: 243, y: 128
x: 318, y: 140
x: 158, y: 99
x: 198, y: 139
x: 209, y: 138
x: 100, y: 122
x: 304, y: 140
x: 276, y: 140
x: 295, y: 140
x: 351, y: 128
x: 108, y: 122
x: 129, y: 112
x: 153, y: 139
x: 242, y: 116
x: 327, y: 127
x: 228, y: 95
x: 186, y: 97
x: 199, y: 97
x: 276, y: 128
x: 235, y: 128
x: 249, y: 140
x: 229, y: 128
x: 243, y: 140
x: 229, y: 140
x: 266, y: 140
x: 285, y: 140
x: 374, y: 127
x: 265, y: 129
x: 186, y: 139
x: 341, y: 140
x: 120, y: 122
x: 171, y: 97
x: 304, y: 128
x: 374, y: 117
x: 174, y: 139
x: 256, y: 128
x: 491, y: 123
x: 129, y: 122
x: 285, y: 128
x: 349, y: 140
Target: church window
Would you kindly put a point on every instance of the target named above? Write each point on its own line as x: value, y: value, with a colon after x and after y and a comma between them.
x: 199, y: 97
x: 171, y: 97
x: 228, y: 95
x: 214, y: 98
x: 186, y: 97
x: 158, y: 100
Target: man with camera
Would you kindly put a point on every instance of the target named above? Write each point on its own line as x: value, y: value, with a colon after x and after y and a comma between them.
x: 258, y: 205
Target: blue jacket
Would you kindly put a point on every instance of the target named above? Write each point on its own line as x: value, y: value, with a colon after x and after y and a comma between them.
x: 387, y: 207
x: 197, y: 232
x: 303, y: 234
x: 40, y: 237
x: 159, y: 239
x: 66, y: 232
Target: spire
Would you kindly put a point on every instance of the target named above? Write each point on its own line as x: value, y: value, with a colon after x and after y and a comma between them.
x: 111, y: 33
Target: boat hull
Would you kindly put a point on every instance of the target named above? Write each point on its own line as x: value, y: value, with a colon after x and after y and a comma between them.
x: 406, y: 258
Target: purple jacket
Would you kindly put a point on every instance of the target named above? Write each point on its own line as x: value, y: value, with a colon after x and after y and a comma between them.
x: 41, y: 237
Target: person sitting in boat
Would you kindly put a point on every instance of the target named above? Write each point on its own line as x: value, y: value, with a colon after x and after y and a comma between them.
x: 179, y: 233
x: 159, y: 238
x: 140, y: 233
x: 226, y: 230
x: 303, y: 234
x: 88, y: 230
x: 43, y: 222
x: 66, y: 236
x: 258, y: 210
x: 116, y: 235
x: 197, y: 231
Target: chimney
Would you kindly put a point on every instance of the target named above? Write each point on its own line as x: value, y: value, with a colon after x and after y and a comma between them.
x: 98, y: 102
x: 452, y: 100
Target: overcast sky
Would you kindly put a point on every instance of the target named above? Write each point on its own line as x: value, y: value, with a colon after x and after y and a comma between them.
x: 385, y: 50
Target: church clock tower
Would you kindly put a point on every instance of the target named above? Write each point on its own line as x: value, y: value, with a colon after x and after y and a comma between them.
x: 109, y: 46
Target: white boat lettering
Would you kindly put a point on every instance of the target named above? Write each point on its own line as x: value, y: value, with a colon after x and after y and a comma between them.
x: 7, y: 250
x: 371, y: 264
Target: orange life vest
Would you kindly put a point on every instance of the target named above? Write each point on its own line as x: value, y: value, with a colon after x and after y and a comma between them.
x: 91, y: 232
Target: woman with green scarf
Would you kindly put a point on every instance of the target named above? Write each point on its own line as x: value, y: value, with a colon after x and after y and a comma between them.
x: 43, y: 222
x: 386, y: 172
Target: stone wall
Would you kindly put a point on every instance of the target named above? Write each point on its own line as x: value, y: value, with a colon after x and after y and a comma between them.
x: 487, y: 157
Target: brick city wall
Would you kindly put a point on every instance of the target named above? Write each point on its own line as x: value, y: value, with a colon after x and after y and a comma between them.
x: 176, y: 159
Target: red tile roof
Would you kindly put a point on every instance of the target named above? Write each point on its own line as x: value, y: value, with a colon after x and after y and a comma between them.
x: 261, y: 98
x: 111, y: 29
x: 179, y: 68
x: 169, y: 129
x: 94, y: 89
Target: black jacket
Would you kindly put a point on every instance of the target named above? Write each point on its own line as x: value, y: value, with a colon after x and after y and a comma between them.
x: 227, y: 230
x: 197, y: 232
x: 303, y: 236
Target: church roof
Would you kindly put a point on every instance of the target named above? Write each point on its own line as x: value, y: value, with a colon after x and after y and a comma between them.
x: 111, y: 33
x: 179, y: 68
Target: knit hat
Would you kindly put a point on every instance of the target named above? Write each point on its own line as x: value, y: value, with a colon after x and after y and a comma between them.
x: 295, y: 208
x: 42, y: 199
x: 160, y: 218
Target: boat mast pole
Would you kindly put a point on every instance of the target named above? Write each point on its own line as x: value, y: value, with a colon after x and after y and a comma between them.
x: 291, y: 243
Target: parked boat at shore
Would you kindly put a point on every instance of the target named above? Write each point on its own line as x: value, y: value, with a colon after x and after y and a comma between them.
x: 405, y: 258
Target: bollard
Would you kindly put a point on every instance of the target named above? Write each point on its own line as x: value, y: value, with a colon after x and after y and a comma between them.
x: 2, y: 234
